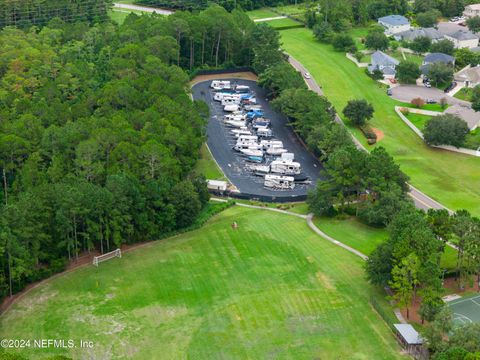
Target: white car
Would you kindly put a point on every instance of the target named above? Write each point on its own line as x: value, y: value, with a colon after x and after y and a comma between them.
x: 307, y: 75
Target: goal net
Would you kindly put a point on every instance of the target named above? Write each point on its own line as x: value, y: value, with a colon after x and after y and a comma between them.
x: 107, y: 256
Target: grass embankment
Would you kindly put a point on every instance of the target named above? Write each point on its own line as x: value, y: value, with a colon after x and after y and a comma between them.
x: 207, y: 166
x: 280, y: 24
x: 448, y: 177
x: 262, y: 13
x: 271, y: 288
x: 364, y: 238
x: 464, y: 94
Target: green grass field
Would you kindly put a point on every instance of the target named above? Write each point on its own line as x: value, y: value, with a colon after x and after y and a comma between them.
x: 448, y: 177
x: 261, y: 14
x: 269, y: 289
x: 365, y: 239
x: 418, y: 120
x: 281, y: 23
x: 207, y: 166
x: 464, y: 94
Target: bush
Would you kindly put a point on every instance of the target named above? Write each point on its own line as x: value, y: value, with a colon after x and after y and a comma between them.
x: 446, y: 130
x: 368, y: 132
x: 405, y: 111
x: 343, y: 42
x: 418, y: 102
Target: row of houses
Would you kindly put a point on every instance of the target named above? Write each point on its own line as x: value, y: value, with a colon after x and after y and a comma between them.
x: 400, y: 28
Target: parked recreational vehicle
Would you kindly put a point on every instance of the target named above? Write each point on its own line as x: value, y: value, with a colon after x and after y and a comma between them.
x: 239, y: 146
x: 217, y: 185
x: 276, y: 151
x: 228, y: 100
x: 267, y: 144
x: 242, y: 89
x: 221, y: 94
x: 245, y: 138
x: 220, y: 84
x: 231, y: 108
x: 287, y: 156
x: 285, y: 167
x: 279, y: 182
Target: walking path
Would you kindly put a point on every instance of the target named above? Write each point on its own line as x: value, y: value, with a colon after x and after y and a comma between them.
x: 421, y: 200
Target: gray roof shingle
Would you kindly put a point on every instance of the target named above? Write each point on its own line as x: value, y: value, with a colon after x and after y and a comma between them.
x: 394, y: 20
x: 438, y: 57
x: 463, y: 35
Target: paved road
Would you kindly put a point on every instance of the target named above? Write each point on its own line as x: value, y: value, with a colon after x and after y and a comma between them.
x: 142, y: 8
x: 421, y: 200
x: 220, y: 141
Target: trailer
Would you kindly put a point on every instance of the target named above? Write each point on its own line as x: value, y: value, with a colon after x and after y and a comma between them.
x: 239, y: 132
x: 247, y: 146
x: 242, y: 89
x: 246, y: 138
x: 217, y: 185
x: 264, y: 132
x: 267, y: 144
x: 221, y: 94
x: 285, y: 167
x: 228, y: 100
x: 279, y: 182
x: 220, y: 84
x: 235, y: 116
x: 274, y: 151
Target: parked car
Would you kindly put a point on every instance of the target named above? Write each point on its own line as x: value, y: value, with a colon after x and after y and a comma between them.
x: 389, y: 92
x: 431, y: 101
x: 307, y: 75
x: 451, y: 86
x: 428, y: 85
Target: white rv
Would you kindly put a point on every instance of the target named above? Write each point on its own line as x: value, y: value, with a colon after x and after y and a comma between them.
x: 228, y: 100
x: 242, y: 89
x: 285, y: 167
x: 217, y: 185
x: 239, y: 146
x: 220, y: 95
x: 279, y: 182
x: 231, y: 108
x: 267, y: 144
x: 220, y: 84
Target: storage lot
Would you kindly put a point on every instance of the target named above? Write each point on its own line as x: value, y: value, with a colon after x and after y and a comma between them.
x: 220, y: 142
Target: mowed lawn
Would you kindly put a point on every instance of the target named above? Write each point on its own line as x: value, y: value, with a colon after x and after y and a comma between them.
x: 450, y: 178
x: 269, y: 289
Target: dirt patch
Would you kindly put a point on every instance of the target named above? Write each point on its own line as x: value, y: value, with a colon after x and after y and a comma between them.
x: 325, y: 280
x: 240, y: 75
x: 379, y: 133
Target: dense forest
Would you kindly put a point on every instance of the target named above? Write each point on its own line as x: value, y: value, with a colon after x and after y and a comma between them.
x: 227, y: 4
x: 98, y: 135
x: 23, y: 13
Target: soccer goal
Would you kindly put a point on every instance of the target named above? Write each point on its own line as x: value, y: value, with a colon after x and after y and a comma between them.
x: 107, y: 256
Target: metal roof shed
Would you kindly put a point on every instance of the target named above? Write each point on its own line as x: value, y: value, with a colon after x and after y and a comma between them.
x: 409, y: 334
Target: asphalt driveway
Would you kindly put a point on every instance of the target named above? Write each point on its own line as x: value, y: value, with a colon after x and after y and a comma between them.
x: 220, y: 142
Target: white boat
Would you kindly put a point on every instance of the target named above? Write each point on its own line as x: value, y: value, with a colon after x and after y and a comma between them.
x: 231, y: 108
x: 276, y: 151
x: 264, y: 132
x: 252, y: 152
x: 237, y: 124
x: 267, y: 144
x: 239, y: 132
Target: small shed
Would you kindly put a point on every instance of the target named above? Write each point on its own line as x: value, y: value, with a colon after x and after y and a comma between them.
x: 217, y: 185
x: 409, y: 338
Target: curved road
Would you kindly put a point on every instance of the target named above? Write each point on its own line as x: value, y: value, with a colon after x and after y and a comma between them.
x: 421, y: 200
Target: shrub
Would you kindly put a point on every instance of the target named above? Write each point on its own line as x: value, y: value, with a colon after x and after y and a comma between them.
x: 446, y: 130
x: 405, y: 111
x: 418, y: 102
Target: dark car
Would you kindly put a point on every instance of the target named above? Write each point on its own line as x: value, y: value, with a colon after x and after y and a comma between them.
x: 451, y: 86
x: 389, y: 92
x: 431, y: 101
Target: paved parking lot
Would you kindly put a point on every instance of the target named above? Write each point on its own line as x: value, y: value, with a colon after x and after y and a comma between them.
x: 407, y: 93
x: 220, y: 142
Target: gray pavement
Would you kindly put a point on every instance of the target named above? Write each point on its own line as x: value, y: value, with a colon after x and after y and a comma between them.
x: 220, y: 142
x: 421, y: 200
x: 407, y: 93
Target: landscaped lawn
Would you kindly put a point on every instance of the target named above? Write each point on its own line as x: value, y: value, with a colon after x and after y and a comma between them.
x: 447, y: 177
x: 397, y: 54
x: 418, y: 120
x: 207, y: 166
x: 270, y: 289
x: 261, y: 14
x: 464, y: 94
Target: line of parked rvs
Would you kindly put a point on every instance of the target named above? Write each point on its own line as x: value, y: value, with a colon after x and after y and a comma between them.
x: 264, y: 155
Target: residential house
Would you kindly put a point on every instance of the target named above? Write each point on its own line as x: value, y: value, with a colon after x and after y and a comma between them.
x: 394, y: 24
x: 385, y: 63
x: 469, y: 76
x: 463, y: 39
x: 435, y: 58
x: 471, y: 10
x: 410, y: 35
